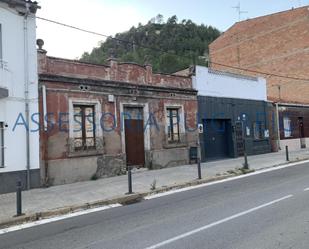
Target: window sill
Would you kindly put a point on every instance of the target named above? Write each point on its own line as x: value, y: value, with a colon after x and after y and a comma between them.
x: 175, y: 145
x: 260, y: 140
x: 84, y: 153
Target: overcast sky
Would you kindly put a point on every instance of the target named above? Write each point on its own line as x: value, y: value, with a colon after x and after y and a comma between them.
x: 113, y: 16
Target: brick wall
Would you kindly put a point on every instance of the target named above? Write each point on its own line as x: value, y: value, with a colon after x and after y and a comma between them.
x: 114, y: 71
x: 276, y: 44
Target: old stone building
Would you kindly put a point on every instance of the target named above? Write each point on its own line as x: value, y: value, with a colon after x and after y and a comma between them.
x: 98, y: 119
x: 275, y: 46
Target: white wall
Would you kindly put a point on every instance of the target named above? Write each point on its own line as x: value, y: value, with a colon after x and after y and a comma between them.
x: 14, y: 55
x: 219, y: 84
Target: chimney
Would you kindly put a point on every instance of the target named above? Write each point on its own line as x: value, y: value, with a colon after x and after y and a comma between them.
x: 113, y: 63
x: 148, y: 67
x: 148, y: 73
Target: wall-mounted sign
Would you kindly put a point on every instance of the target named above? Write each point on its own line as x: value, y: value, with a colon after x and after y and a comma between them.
x: 200, y: 128
x: 247, y: 131
x: 266, y: 133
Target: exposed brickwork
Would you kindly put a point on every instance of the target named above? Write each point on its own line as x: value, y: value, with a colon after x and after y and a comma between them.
x: 277, y: 44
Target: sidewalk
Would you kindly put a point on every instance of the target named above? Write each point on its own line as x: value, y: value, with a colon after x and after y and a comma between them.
x: 47, y: 199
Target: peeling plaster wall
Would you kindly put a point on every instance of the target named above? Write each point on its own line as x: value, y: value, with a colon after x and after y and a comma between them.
x: 130, y: 84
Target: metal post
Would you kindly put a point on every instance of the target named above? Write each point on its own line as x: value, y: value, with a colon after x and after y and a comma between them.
x: 287, y: 153
x: 199, y: 171
x: 246, y: 165
x: 129, y: 180
x: 18, y: 199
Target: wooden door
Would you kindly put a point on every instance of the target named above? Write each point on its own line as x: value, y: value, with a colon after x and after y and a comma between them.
x: 134, y: 139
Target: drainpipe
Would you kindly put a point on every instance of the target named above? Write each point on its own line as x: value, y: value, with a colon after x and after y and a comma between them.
x: 26, y: 86
x: 45, y: 152
x: 44, y: 106
x: 115, y: 113
x: 278, y: 126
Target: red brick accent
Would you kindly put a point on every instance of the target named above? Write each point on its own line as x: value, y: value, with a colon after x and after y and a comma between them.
x: 115, y: 71
x: 277, y: 44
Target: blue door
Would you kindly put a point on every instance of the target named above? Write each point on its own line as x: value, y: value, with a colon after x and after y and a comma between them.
x: 216, y: 138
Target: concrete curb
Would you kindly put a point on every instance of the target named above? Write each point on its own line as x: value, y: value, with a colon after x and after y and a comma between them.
x: 125, y: 199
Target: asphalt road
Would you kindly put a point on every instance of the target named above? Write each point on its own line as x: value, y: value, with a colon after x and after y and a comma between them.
x: 269, y: 211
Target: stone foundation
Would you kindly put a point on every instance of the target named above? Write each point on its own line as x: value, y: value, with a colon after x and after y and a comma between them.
x: 109, y: 165
x: 165, y: 158
x: 63, y: 171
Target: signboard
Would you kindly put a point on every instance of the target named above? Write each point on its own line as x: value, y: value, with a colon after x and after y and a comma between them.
x: 266, y: 133
x: 247, y: 131
x: 200, y: 128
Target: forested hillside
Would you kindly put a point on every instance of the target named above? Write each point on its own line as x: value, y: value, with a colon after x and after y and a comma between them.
x: 185, y: 42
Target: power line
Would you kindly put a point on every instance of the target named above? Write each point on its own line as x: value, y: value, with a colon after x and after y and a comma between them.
x: 163, y: 51
x: 106, y: 36
x: 76, y: 28
x: 259, y: 72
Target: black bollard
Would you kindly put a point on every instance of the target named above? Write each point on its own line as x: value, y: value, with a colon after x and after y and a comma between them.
x: 199, y: 171
x: 129, y: 180
x: 18, y: 199
x: 246, y: 164
x: 287, y: 153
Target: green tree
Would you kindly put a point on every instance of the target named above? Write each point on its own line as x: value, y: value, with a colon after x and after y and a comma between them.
x: 169, y: 46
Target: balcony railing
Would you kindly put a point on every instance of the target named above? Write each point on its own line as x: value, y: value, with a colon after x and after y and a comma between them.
x: 181, y: 142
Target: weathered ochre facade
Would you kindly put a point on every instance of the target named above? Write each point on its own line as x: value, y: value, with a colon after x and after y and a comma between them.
x: 111, y: 89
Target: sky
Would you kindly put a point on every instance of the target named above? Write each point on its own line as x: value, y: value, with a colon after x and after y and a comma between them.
x: 114, y: 16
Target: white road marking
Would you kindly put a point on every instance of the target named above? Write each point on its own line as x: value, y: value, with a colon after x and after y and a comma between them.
x: 53, y: 219
x: 184, y: 235
x: 49, y: 220
x: 154, y: 196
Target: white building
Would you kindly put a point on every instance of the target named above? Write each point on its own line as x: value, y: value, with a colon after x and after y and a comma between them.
x: 214, y: 83
x: 234, y: 113
x: 19, y: 153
